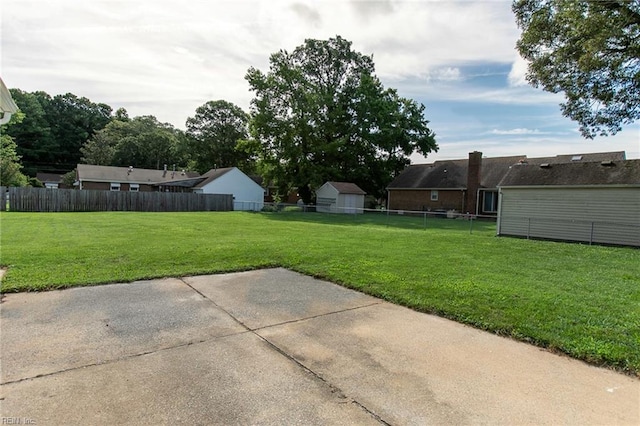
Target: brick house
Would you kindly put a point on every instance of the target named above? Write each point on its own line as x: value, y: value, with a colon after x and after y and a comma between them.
x: 467, y: 185
x: 108, y: 178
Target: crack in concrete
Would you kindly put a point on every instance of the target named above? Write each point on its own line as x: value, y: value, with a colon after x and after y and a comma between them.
x: 332, y: 388
x: 126, y: 357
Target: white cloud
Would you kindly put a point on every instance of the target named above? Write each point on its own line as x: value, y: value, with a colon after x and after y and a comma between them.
x: 447, y: 74
x: 516, y: 132
x: 167, y: 57
x: 517, y: 75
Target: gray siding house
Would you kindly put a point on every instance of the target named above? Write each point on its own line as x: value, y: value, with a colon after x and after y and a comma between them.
x: 587, y: 202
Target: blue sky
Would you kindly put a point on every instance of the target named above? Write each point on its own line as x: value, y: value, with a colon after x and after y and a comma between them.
x: 167, y: 57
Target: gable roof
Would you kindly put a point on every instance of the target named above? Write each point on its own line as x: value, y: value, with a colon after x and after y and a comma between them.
x: 347, y: 188
x: 49, y: 177
x: 452, y: 174
x: 625, y: 172
x: 89, y: 172
x: 212, y: 175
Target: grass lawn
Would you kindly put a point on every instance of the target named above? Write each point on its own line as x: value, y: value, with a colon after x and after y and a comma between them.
x: 577, y: 299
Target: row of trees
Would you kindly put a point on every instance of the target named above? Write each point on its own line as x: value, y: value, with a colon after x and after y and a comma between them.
x: 319, y: 114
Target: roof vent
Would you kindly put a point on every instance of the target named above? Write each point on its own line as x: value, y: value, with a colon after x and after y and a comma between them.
x: 607, y: 163
x: 576, y: 158
x: 545, y: 165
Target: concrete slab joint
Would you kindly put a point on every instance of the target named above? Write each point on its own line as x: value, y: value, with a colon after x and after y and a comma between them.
x: 277, y: 347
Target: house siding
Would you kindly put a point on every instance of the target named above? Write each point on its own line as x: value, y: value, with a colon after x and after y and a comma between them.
x: 420, y: 200
x: 106, y: 186
x: 247, y: 194
x: 606, y: 215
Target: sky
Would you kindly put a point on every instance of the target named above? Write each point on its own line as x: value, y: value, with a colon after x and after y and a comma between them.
x: 167, y: 57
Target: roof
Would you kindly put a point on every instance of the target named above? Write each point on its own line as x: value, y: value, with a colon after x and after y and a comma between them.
x: 7, y: 104
x: 626, y: 172
x: 347, y: 188
x: 452, y: 174
x: 88, y: 172
x: 582, y: 158
x: 212, y: 175
x: 49, y: 177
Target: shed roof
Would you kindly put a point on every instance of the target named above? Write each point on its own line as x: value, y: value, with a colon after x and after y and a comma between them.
x: 347, y: 188
x: 626, y: 172
x: 89, y: 172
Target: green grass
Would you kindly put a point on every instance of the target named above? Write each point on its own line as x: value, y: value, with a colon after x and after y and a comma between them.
x: 576, y: 299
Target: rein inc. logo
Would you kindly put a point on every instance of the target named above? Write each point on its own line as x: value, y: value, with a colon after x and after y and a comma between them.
x: 17, y: 421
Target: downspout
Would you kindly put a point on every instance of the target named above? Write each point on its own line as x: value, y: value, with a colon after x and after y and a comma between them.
x: 477, y: 201
x: 499, y: 220
x: 464, y: 200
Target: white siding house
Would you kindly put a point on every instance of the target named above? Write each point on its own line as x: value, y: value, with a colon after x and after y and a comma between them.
x: 247, y: 194
x: 589, y: 202
x: 340, y: 197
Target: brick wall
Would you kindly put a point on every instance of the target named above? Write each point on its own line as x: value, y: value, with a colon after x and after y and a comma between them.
x: 420, y: 200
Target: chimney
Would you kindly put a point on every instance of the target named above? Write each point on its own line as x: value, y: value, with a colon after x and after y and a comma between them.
x: 473, y: 180
x: 164, y: 173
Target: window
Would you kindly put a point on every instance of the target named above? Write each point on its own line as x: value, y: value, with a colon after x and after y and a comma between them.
x: 134, y: 187
x: 434, y: 195
x: 115, y: 186
x: 51, y: 185
x: 490, y: 201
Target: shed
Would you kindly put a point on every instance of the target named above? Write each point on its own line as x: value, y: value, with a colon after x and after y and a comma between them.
x: 247, y: 194
x: 597, y: 202
x: 340, y: 197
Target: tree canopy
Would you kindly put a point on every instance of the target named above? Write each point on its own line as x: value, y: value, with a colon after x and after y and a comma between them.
x: 320, y: 114
x: 214, y: 133
x: 142, y: 142
x: 10, y: 167
x: 54, y: 128
x: 590, y: 50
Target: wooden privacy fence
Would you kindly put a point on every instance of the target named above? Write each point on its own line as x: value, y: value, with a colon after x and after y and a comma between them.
x: 72, y: 200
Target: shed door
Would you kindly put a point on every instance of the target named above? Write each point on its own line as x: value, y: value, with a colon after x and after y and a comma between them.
x: 350, y: 203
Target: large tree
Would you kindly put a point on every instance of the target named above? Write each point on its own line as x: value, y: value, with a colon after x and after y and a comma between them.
x: 141, y: 142
x: 214, y: 133
x: 53, y: 130
x: 73, y: 121
x: 588, y: 49
x: 35, y: 143
x: 10, y: 167
x: 320, y: 114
